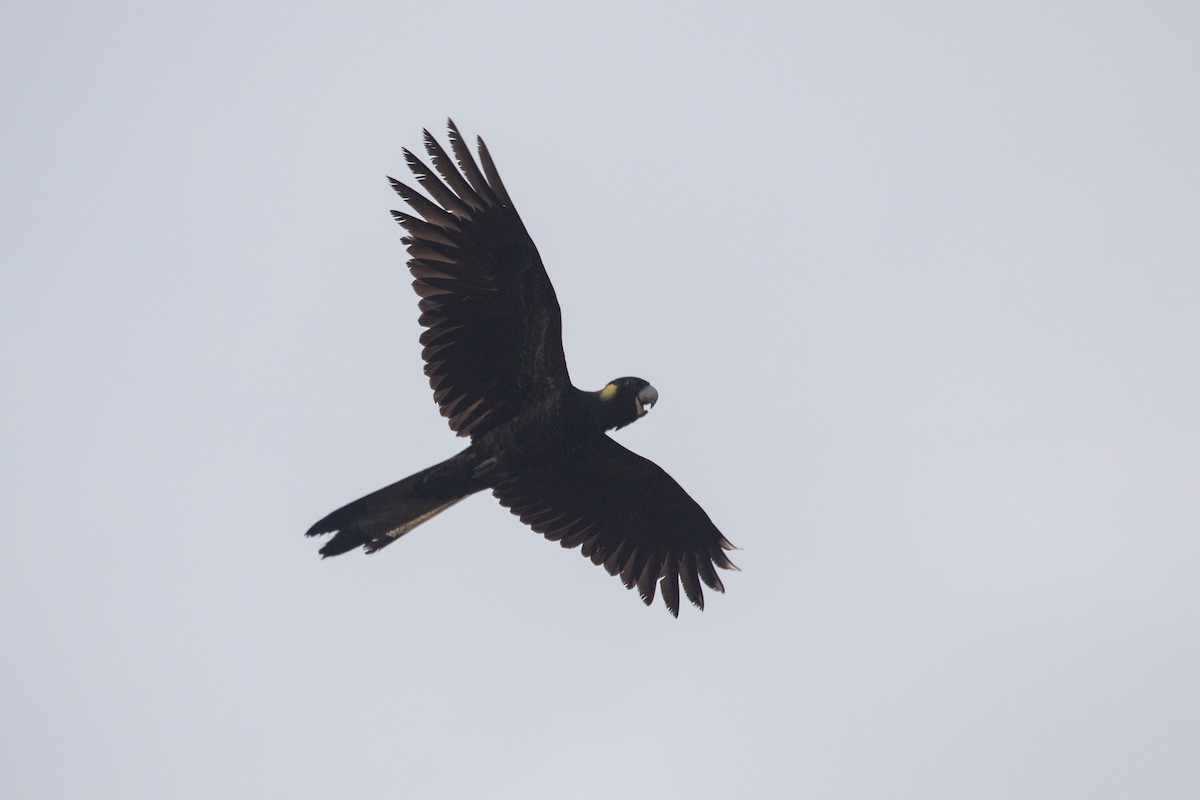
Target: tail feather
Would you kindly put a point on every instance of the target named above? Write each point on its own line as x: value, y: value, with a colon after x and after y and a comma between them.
x: 380, y: 518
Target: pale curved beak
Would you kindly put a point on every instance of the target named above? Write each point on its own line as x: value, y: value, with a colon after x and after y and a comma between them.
x: 648, y: 396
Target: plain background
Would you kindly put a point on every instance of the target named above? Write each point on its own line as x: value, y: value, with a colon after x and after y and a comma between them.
x: 918, y: 285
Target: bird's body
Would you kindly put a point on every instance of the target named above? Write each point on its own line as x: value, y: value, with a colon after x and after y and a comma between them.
x: 494, y: 357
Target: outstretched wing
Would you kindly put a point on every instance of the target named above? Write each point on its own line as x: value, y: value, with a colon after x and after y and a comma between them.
x: 494, y: 337
x: 625, y: 513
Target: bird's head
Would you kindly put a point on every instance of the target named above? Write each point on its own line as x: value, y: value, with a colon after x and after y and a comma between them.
x: 625, y: 400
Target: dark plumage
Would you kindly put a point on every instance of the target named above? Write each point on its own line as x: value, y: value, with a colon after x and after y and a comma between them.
x: 493, y: 353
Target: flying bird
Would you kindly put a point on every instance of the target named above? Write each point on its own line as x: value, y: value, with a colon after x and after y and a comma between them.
x: 494, y: 357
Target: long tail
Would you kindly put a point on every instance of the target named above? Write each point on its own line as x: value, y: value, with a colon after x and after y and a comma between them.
x: 382, y: 517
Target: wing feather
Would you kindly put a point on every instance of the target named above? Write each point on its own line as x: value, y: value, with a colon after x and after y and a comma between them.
x: 432, y: 184
x: 466, y: 163
x: 454, y: 179
x: 670, y: 584
x: 690, y: 580
x: 493, y: 176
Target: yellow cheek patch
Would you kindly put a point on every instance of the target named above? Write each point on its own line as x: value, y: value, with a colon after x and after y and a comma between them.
x: 608, y: 392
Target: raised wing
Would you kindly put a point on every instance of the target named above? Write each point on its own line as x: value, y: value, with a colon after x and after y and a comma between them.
x: 494, y: 337
x: 626, y: 514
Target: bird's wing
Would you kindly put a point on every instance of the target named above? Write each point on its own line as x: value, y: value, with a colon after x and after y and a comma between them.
x: 494, y: 337
x: 627, y: 514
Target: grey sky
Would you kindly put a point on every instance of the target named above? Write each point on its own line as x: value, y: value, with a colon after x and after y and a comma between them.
x: 918, y: 288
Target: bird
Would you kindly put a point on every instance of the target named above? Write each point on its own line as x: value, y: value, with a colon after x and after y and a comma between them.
x: 492, y: 347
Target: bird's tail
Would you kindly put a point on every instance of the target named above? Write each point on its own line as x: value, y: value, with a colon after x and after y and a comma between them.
x: 382, y: 517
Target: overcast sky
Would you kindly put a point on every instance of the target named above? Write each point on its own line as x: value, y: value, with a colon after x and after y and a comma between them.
x: 918, y: 285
